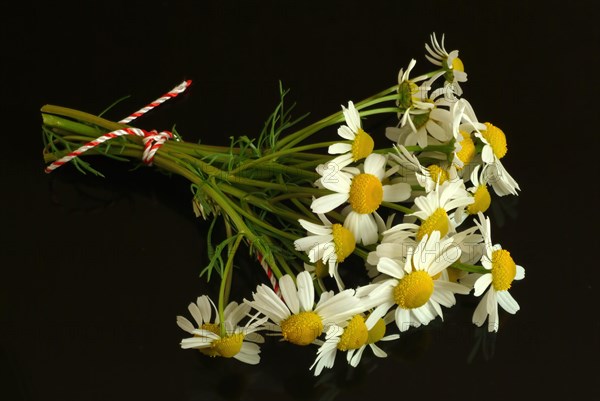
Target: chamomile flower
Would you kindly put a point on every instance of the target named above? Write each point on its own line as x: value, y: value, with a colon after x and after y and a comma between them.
x: 318, y: 271
x: 352, y: 337
x: 470, y: 242
x: 431, y: 118
x: 464, y: 122
x: 452, y: 65
x: 296, y: 316
x: 418, y: 286
x: 329, y: 243
x: 365, y: 192
x: 361, y: 144
x: 427, y: 177
x: 395, y: 242
x: 239, y: 342
x: 494, y: 149
x: 434, y: 207
x: 377, y: 332
x: 481, y: 195
x: 410, y: 95
x: 502, y: 271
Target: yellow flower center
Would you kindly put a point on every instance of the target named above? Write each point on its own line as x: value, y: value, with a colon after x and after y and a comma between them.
x: 438, y: 174
x: 458, y: 65
x: 366, y: 193
x: 377, y: 332
x: 504, y: 270
x: 438, y: 221
x: 228, y: 347
x: 320, y: 269
x: 213, y: 328
x: 362, y: 146
x: 344, y: 242
x: 467, y: 150
x: 413, y: 290
x: 355, y: 335
x: 302, y: 328
x: 496, y: 138
x: 482, y: 200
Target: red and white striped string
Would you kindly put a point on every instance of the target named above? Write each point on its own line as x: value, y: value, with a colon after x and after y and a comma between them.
x: 270, y: 274
x: 153, y: 140
x: 169, y: 95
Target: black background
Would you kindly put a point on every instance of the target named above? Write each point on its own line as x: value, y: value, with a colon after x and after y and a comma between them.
x: 94, y: 271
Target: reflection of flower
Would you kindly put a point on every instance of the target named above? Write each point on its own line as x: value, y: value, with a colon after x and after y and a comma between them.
x: 237, y: 342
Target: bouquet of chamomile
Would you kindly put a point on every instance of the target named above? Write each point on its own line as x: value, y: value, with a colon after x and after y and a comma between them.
x: 410, y: 210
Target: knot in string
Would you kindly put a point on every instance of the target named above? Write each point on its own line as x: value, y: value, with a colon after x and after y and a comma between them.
x: 153, y: 140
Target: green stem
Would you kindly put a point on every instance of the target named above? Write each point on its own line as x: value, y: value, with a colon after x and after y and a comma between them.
x: 398, y: 207
x: 261, y: 203
x: 380, y: 111
x: 280, y: 153
x: 376, y: 101
x: 361, y: 253
x: 303, y: 134
x: 225, y: 283
x: 469, y: 268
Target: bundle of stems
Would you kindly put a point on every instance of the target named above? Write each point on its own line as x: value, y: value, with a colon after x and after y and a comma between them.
x: 402, y: 209
x: 259, y: 188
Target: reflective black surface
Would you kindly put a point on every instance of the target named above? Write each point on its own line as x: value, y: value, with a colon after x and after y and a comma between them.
x: 95, y: 270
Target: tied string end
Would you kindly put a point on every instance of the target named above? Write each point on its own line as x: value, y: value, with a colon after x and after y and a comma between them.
x: 153, y: 140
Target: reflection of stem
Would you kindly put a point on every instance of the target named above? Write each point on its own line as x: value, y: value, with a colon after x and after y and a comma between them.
x: 484, y: 341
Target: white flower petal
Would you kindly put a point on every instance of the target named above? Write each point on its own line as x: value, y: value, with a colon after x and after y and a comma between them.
x: 396, y: 192
x: 339, y: 148
x: 185, y: 324
x: 306, y: 291
x: 307, y: 243
x: 480, y: 313
x: 482, y: 283
x: 507, y: 302
x: 288, y: 291
x: 390, y: 267
x: 520, y: 273
x: 346, y: 132
x: 196, y: 314
x: 363, y: 227
x: 313, y: 228
x: 328, y: 203
x: 375, y: 165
